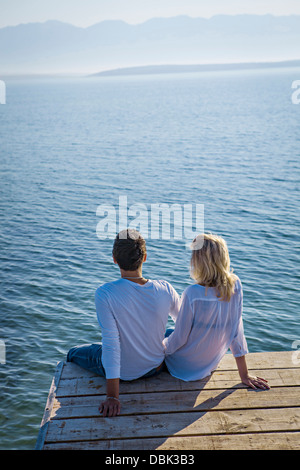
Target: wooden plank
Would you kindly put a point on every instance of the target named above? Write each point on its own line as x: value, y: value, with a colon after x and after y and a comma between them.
x: 261, y: 360
x: 165, y: 402
x: 164, y: 382
x: 259, y: 441
x: 48, y: 409
x: 269, y: 360
x: 180, y: 424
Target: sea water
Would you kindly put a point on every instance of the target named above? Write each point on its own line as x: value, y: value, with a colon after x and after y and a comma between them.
x: 229, y: 141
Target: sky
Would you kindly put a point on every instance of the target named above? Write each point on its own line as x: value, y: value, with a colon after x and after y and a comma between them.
x: 87, y: 12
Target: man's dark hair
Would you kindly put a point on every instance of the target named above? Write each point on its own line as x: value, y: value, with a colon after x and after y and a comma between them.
x: 129, y: 249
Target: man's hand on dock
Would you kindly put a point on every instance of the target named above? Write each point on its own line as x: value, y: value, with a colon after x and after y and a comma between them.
x: 110, y: 407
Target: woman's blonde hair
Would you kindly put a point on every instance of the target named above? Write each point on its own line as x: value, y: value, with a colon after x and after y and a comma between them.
x: 210, y: 265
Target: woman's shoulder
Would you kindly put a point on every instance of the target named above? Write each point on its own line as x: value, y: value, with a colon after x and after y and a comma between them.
x: 197, y: 291
x: 238, y: 285
x: 194, y: 291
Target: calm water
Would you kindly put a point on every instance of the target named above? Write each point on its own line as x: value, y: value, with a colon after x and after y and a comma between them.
x: 229, y: 141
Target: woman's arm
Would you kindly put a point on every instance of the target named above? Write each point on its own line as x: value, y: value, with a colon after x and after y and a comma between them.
x: 249, y: 380
x: 239, y: 348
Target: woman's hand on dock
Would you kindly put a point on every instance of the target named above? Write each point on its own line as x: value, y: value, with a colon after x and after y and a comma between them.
x: 110, y: 407
x: 255, y: 382
x: 246, y: 378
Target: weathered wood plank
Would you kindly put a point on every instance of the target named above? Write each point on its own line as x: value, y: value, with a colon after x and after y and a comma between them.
x: 165, y: 402
x: 166, y: 425
x: 49, y: 405
x: 164, y: 382
x: 259, y: 441
x: 269, y: 360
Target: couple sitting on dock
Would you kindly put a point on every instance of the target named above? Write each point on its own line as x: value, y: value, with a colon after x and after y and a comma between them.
x: 133, y: 313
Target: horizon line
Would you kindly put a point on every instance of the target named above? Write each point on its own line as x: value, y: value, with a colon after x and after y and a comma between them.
x: 118, y: 70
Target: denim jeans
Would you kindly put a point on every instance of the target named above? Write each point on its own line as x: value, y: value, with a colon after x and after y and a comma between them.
x: 89, y: 357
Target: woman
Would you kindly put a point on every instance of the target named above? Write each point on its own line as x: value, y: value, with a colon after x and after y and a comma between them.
x: 210, y: 318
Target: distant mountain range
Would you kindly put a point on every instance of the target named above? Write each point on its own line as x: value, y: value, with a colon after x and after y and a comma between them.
x: 55, y: 47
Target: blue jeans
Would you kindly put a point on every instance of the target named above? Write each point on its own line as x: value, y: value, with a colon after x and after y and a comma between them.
x: 89, y: 357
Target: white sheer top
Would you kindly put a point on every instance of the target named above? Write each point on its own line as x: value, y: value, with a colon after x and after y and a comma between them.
x: 205, y: 329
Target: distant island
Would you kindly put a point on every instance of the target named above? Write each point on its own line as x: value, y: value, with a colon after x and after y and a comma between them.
x: 163, y: 69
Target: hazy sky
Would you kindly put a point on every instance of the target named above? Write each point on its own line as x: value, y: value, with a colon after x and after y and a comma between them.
x: 88, y: 12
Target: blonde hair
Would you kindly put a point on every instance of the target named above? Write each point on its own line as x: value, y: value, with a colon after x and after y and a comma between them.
x: 210, y: 265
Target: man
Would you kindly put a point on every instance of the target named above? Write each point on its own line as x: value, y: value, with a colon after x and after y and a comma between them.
x: 133, y: 314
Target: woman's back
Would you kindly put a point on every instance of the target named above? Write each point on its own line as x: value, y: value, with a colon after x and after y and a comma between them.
x: 206, y: 328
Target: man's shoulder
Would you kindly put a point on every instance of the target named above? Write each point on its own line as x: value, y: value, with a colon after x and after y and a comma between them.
x: 161, y: 282
x: 107, y: 287
x: 164, y: 285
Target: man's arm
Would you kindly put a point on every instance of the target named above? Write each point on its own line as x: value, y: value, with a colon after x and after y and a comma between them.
x: 110, y: 356
x: 182, y: 327
x: 175, y: 304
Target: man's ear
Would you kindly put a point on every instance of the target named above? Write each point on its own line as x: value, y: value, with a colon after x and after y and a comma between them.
x: 114, y: 260
x: 145, y: 257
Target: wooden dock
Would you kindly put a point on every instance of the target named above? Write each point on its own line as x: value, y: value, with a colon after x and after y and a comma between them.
x: 164, y: 413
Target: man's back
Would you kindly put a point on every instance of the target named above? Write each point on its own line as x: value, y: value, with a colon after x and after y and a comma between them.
x: 133, y: 320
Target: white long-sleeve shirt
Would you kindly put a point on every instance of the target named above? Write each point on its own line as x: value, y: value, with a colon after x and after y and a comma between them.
x: 133, y: 321
x: 205, y: 329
